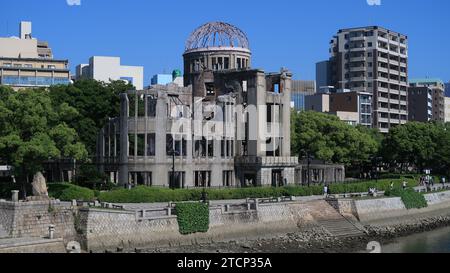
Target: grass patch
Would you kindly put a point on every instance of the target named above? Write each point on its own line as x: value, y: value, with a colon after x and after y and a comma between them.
x: 411, y: 199
x: 192, y: 217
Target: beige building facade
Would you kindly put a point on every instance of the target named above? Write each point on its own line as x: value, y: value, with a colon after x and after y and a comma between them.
x: 28, y: 62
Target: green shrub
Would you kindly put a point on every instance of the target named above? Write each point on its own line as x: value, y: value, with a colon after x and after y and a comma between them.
x: 143, y: 194
x: 68, y: 192
x: 192, y: 217
x: 411, y: 198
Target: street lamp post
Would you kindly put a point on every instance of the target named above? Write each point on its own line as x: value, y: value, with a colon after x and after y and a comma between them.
x: 172, y: 179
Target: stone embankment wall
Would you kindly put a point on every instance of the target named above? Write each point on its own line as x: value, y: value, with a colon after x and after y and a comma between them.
x: 385, y: 208
x: 108, y: 229
x: 32, y: 219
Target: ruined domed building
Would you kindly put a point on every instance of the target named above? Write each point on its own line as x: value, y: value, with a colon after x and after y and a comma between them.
x: 229, y: 126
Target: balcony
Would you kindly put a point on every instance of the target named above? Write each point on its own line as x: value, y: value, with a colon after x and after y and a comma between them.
x: 382, y: 39
x: 383, y: 69
x: 358, y: 79
x: 383, y: 99
x: 357, y: 59
x: 383, y: 89
x: 357, y: 38
x: 394, y: 62
x: 358, y: 69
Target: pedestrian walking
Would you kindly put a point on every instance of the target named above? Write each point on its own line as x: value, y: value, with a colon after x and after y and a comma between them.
x: 405, y: 184
x: 325, y: 191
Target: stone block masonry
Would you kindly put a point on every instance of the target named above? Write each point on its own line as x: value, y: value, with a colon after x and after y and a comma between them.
x: 32, y: 219
x: 109, y: 229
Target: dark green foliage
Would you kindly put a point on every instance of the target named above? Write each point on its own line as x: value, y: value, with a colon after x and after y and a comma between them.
x: 33, y: 130
x: 327, y: 138
x: 88, y: 176
x: 422, y: 145
x: 411, y: 199
x: 192, y: 217
x: 94, y: 102
x: 69, y: 192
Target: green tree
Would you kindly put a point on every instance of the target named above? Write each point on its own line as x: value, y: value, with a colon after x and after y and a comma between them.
x: 31, y: 131
x: 327, y: 138
x: 93, y: 103
x: 414, y: 143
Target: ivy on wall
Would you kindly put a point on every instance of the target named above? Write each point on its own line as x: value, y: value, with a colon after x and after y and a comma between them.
x: 192, y: 217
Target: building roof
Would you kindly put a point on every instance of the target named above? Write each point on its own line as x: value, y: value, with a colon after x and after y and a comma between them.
x: 426, y: 80
x: 217, y: 34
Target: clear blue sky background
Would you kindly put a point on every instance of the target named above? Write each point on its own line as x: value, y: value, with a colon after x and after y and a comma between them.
x: 290, y: 33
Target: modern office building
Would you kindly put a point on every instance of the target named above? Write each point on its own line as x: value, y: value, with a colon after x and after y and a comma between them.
x: 323, y: 74
x: 426, y: 100
x: 352, y: 107
x: 228, y: 127
x: 447, y: 109
x: 108, y: 69
x: 301, y: 89
x: 447, y: 89
x: 372, y: 60
x: 161, y: 79
x: 319, y: 102
x: 27, y: 62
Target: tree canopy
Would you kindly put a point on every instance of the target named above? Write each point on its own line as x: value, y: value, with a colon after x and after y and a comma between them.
x: 34, y: 130
x: 423, y: 145
x: 94, y: 102
x: 327, y: 138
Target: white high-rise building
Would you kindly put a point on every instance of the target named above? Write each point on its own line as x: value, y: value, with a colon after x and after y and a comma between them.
x: 109, y: 69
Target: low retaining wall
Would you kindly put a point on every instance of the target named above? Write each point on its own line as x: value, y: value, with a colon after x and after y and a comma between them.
x: 109, y: 229
x: 437, y: 198
x: 34, y: 246
x: 385, y: 208
x: 32, y: 219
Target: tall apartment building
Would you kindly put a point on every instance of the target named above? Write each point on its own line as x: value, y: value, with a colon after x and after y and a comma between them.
x: 103, y: 68
x: 426, y: 100
x: 301, y: 89
x: 372, y: 60
x: 28, y: 62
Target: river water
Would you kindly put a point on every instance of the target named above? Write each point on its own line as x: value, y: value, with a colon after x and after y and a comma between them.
x: 437, y: 241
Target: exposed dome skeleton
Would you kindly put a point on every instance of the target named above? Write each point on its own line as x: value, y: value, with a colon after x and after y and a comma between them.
x: 217, y: 34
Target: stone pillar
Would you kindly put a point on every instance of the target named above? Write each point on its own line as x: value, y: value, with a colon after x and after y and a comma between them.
x: 15, y: 196
x: 123, y: 123
x: 51, y: 231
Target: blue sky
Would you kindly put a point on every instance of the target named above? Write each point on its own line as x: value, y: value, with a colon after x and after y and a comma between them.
x: 289, y: 33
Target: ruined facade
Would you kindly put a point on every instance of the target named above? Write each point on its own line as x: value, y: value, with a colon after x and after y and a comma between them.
x: 228, y: 127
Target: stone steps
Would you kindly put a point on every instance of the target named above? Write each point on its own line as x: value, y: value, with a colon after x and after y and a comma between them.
x: 336, y: 224
x: 340, y: 227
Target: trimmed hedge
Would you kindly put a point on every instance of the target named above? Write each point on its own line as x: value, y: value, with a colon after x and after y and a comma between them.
x: 411, y: 198
x: 192, y: 217
x: 143, y: 194
x: 68, y: 192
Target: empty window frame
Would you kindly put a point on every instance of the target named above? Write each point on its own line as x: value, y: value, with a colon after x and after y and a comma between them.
x: 151, y: 144
x: 202, y: 179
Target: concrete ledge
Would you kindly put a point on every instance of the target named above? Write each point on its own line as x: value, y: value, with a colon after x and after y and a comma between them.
x: 32, y: 245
